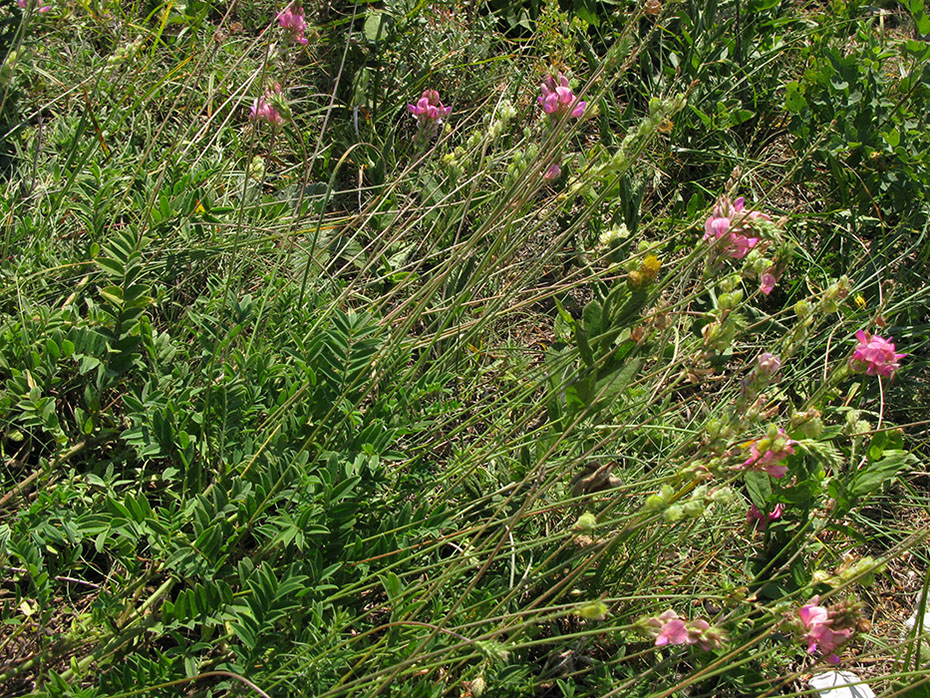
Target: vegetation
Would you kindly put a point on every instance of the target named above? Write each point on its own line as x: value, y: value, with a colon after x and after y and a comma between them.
x: 419, y: 349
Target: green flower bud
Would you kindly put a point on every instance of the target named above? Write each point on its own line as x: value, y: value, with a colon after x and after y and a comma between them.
x: 596, y: 610
x: 802, y: 309
x: 728, y: 283
x: 587, y: 522
x: 693, y: 508
x: 673, y: 513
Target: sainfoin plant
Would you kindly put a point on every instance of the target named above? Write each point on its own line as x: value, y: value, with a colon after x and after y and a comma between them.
x: 312, y: 386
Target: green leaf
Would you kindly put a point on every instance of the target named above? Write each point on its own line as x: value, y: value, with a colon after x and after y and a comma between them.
x: 591, y: 315
x: 877, y: 445
x: 922, y: 22
x: 794, y: 99
x: 892, y: 138
x: 377, y: 25
x: 110, y: 266
x: 759, y: 486
x: 872, y: 475
x: 584, y: 348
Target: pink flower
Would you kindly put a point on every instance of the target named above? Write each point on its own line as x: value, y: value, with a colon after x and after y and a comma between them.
x: 554, y: 171
x: 875, y: 355
x: 41, y: 8
x: 293, y: 21
x: 768, y: 364
x: 557, y: 98
x: 429, y: 112
x: 671, y: 629
x: 757, y: 519
x: 264, y: 109
x: 821, y: 634
x: 674, y: 632
x: 767, y: 283
x: 766, y: 454
x: 813, y: 614
x: 732, y: 221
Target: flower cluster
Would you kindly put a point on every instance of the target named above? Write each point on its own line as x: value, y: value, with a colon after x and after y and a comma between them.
x: 671, y: 629
x: 757, y: 519
x: 875, y: 355
x: 731, y: 221
x: 40, y: 7
x: 269, y: 107
x: 293, y: 21
x: 557, y: 98
x: 429, y: 113
x: 768, y: 453
x: 827, y: 629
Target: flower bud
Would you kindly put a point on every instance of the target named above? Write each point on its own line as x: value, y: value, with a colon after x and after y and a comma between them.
x: 596, y: 610
x: 728, y: 283
x: 808, y: 423
x: 587, y: 522
x: 802, y: 309
x: 673, y: 513
x: 654, y: 503
x: 693, y: 508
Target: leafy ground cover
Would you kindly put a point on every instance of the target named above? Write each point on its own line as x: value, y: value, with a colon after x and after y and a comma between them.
x: 424, y: 349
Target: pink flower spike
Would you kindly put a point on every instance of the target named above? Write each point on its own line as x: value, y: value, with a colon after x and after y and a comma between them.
x: 263, y: 108
x: 757, y: 519
x: 716, y: 227
x: 769, y: 461
x: 429, y: 112
x: 813, y: 614
x: 292, y: 20
x: 674, y: 632
x: 740, y: 245
x: 558, y: 99
x: 767, y: 283
x: 875, y: 356
x: 40, y: 7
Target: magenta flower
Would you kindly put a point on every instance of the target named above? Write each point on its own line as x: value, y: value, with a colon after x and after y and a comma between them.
x: 767, y: 283
x: 557, y: 98
x: 293, y: 21
x: 429, y: 112
x: 767, y: 454
x: 756, y: 518
x: 265, y: 109
x: 41, y: 8
x: 822, y: 631
x: 875, y: 355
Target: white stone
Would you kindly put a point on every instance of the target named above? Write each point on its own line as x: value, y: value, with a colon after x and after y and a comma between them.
x: 840, y: 684
x: 912, y: 621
